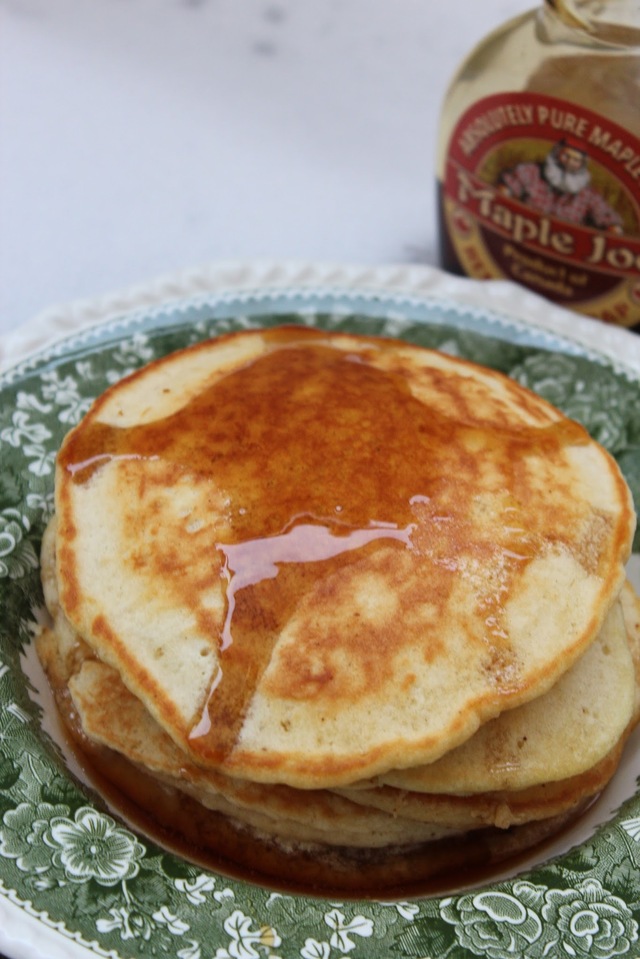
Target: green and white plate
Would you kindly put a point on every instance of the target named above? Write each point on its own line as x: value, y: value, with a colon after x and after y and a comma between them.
x: 75, y: 879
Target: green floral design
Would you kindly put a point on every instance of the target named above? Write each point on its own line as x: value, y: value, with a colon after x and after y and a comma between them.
x: 569, y: 384
x: 533, y: 922
x: 123, y: 895
x: 17, y: 553
x: 91, y: 846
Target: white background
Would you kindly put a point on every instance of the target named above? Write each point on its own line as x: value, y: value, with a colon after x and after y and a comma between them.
x: 139, y: 137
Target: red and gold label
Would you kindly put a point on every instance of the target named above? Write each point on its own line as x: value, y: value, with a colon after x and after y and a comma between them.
x: 547, y: 193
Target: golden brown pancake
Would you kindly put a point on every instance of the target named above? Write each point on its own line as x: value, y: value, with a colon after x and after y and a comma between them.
x: 111, y: 716
x: 603, y: 684
x: 397, y: 836
x: 554, y: 737
x: 315, y: 557
x: 566, y: 732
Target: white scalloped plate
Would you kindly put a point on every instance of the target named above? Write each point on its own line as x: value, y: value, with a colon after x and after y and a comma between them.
x: 74, y: 879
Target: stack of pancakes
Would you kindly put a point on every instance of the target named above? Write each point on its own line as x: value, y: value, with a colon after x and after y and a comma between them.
x: 355, y: 602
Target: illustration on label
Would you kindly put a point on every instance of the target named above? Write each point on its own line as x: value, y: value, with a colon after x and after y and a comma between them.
x: 545, y: 193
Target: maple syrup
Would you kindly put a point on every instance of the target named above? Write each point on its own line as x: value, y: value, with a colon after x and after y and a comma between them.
x: 539, y: 158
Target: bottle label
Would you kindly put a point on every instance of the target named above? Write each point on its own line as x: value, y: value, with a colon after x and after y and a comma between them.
x: 547, y: 193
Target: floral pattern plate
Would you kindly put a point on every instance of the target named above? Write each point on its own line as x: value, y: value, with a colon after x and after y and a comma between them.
x: 77, y: 880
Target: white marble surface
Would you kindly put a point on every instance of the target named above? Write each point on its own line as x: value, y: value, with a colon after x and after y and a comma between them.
x: 139, y: 137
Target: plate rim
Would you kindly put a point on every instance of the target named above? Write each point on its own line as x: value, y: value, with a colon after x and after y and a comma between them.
x: 56, y: 323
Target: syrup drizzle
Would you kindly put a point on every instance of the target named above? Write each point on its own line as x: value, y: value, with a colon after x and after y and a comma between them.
x: 256, y: 560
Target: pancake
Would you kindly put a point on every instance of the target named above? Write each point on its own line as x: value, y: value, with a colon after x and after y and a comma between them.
x: 557, y: 736
x: 603, y: 685
x: 395, y: 835
x: 316, y: 558
x: 109, y: 715
x: 500, y: 809
x: 575, y: 726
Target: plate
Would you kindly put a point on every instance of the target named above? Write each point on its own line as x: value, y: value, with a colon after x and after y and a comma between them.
x: 77, y: 880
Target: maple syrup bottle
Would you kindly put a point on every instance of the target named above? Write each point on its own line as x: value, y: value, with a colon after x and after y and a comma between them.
x: 539, y: 158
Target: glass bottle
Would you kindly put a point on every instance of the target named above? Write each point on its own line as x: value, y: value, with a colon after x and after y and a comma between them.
x: 539, y: 158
